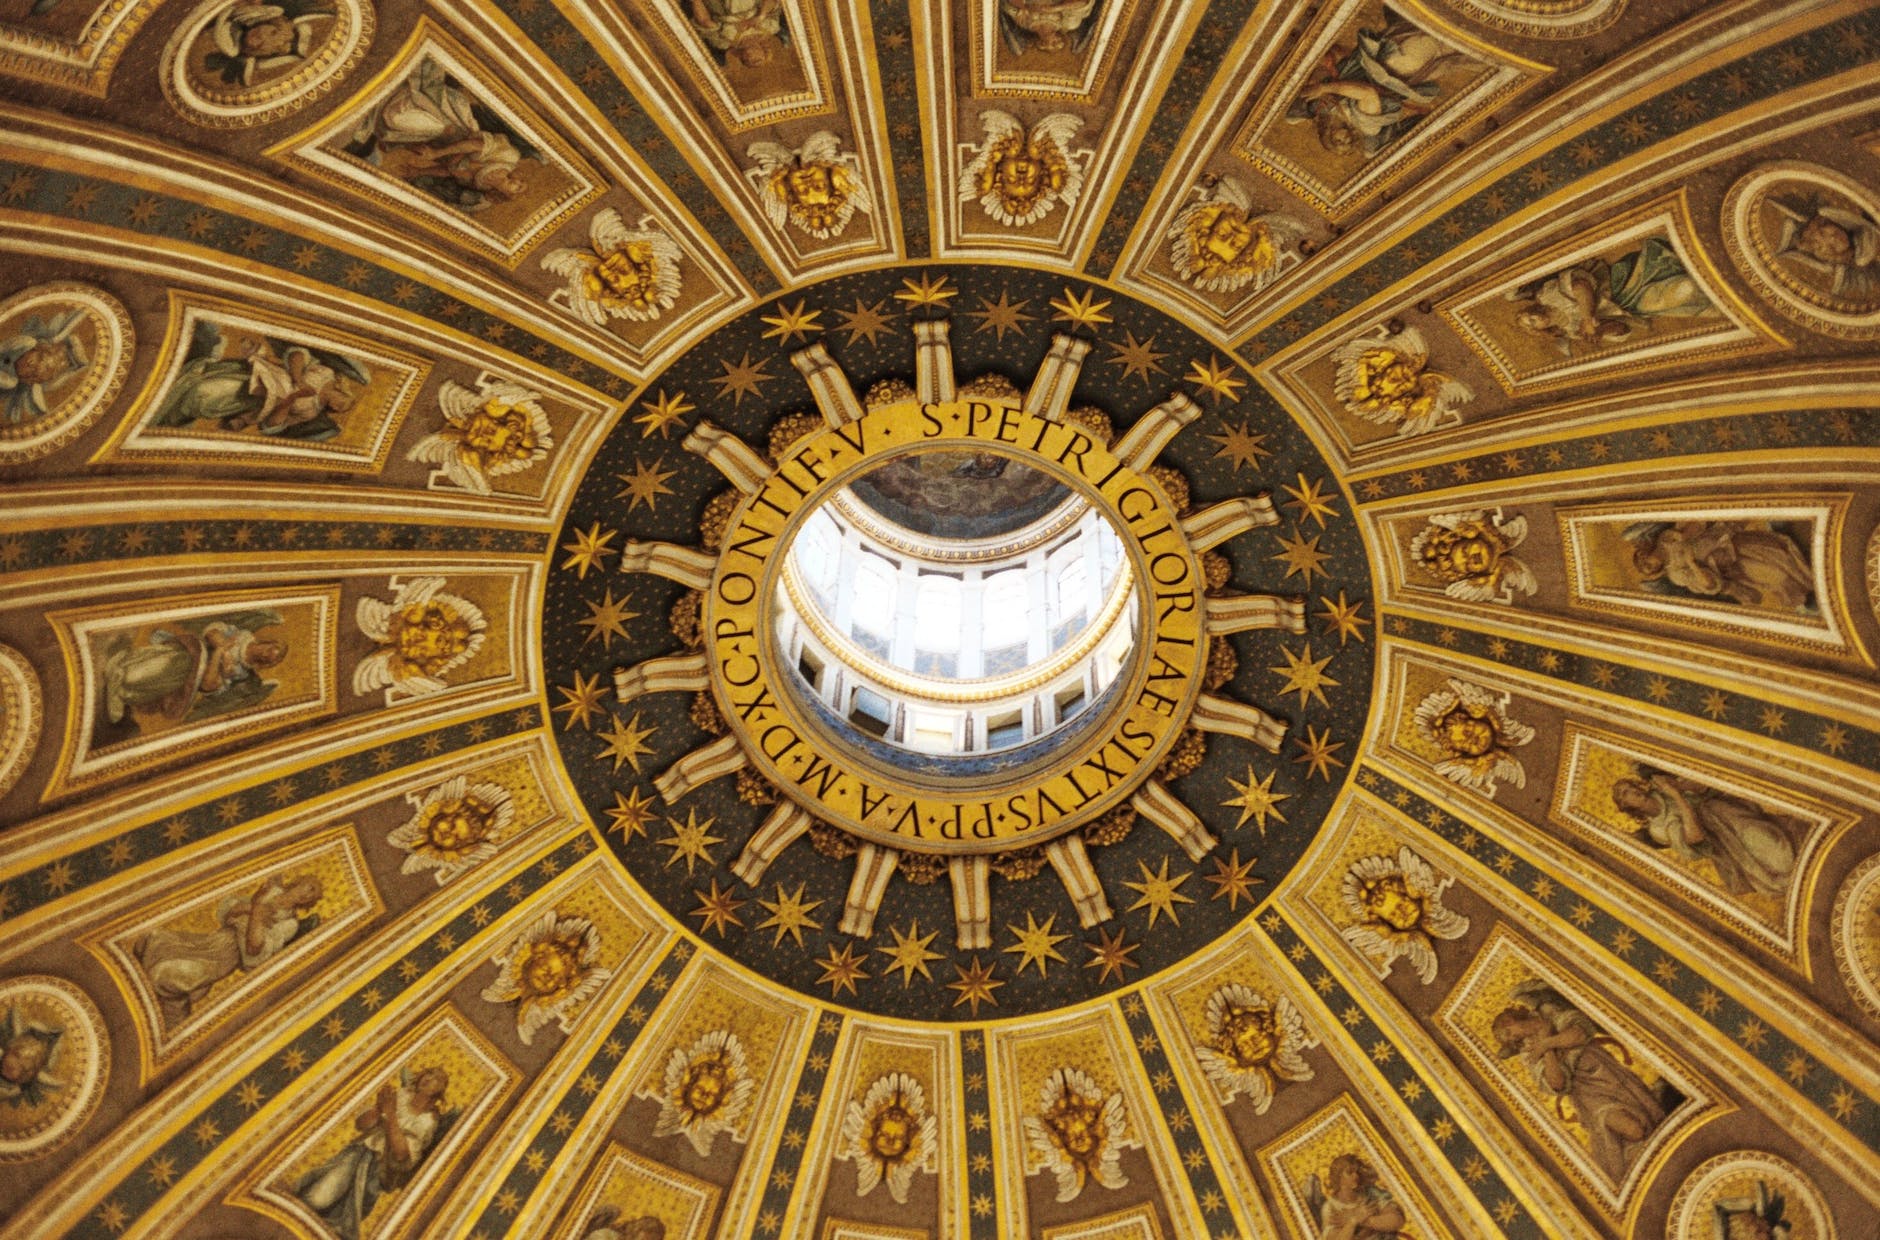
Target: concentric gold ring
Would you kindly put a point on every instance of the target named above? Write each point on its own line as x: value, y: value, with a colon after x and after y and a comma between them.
x: 903, y: 809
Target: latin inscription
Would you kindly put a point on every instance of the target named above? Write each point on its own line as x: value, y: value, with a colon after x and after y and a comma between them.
x: 1092, y: 778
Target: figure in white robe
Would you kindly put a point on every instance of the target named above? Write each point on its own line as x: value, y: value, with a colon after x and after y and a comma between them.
x: 402, y: 1125
x: 185, y: 965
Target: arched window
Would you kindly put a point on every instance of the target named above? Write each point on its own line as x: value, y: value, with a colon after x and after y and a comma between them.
x: 1070, y: 588
x: 1006, y: 609
x: 875, y: 581
x: 937, y: 614
x: 818, y: 549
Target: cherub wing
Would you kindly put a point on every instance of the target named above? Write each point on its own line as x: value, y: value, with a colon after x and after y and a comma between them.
x: 821, y: 147
x: 567, y: 263
x: 1058, y: 129
x: 998, y: 127
x: 1315, y: 1196
x: 771, y: 158
x: 608, y: 231
x: 205, y: 341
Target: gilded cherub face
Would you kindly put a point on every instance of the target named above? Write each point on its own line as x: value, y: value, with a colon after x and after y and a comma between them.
x: 1469, y: 557
x: 1467, y: 730
x: 500, y: 431
x: 891, y: 1134
x: 1229, y: 236
x: 706, y: 1084
x: 1389, y: 900
x: 460, y: 824
x: 1020, y: 175
x: 1392, y: 376
x: 1251, y: 1037
x: 429, y: 634
x: 810, y: 185
x: 551, y: 967
x: 1077, y: 1125
x: 624, y: 274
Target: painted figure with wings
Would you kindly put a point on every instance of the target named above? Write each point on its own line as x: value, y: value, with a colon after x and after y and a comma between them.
x: 192, y: 669
x: 272, y: 386
x: 1385, y: 377
x: 625, y: 273
x: 817, y: 187
x: 260, y: 40
x: 393, y: 1134
x: 431, y: 134
x: 1019, y: 175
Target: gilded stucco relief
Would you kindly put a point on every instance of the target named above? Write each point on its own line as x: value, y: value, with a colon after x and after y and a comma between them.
x: 401, y: 410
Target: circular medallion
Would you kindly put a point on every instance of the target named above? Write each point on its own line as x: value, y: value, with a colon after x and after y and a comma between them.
x: 65, y: 350
x: 234, y: 63
x: 1749, y: 1195
x: 958, y: 642
x: 20, y: 712
x: 1808, y: 238
x: 929, y: 808
x: 1856, y: 931
x: 54, y: 1058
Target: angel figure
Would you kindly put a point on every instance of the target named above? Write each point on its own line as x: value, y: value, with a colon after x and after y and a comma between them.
x: 1046, y: 25
x: 184, y: 965
x: 38, y: 360
x: 1749, y: 563
x: 499, y: 430
x: 443, y: 142
x: 1469, y: 726
x: 817, y: 187
x: 606, y: 1223
x: 1018, y: 176
x: 1838, y: 244
x: 1582, y: 1066
x: 549, y: 971
x: 402, y: 1125
x: 743, y: 32
x: 1217, y: 246
x: 1396, y: 904
x: 1078, y: 1133
x: 1762, y: 1215
x: 1594, y: 304
x: 26, y: 1053
x: 272, y: 386
x: 625, y: 273
x: 1469, y: 553
x: 1252, y: 1045
x: 889, y: 1134
x: 1350, y: 1204
x: 193, y: 669
x: 1384, y: 377
x: 705, y: 1091
x: 1752, y: 849
x: 423, y: 634
x: 1362, y: 100
x: 255, y: 39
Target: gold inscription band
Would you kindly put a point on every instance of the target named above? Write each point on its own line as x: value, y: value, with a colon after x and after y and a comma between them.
x: 901, y: 808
